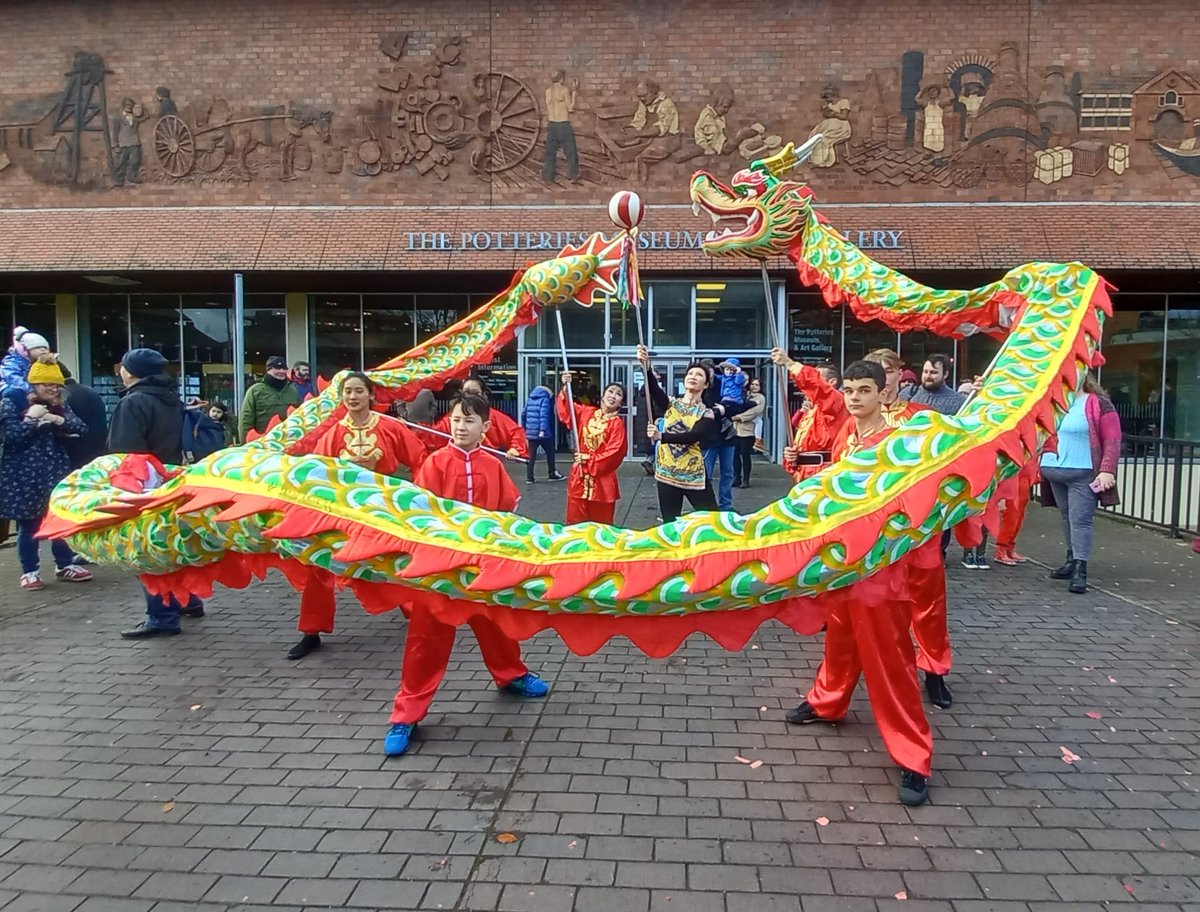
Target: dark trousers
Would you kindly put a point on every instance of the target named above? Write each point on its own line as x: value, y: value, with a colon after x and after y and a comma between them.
x: 547, y: 444
x: 670, y: 499
x: 742, y: 459
x: 127, y: 165
x: 27, y: 547
x: 560, y: 135
x: 164, y: 612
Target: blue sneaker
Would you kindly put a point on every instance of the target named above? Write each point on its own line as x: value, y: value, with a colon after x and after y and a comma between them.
x: 528, y: 685
x: 396, y: 741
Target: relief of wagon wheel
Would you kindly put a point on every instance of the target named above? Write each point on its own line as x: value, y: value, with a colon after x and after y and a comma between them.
x: 509, y: 120
x: 210, y: 150
x: 174, y: 146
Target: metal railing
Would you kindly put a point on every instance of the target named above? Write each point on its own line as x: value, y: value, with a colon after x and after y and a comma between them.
x: 1159, y: 483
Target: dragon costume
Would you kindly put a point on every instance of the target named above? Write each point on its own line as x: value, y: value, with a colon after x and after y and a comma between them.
x: 242, y: 511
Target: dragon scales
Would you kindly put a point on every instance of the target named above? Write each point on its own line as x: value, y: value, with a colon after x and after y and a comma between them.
x: 244, y: 510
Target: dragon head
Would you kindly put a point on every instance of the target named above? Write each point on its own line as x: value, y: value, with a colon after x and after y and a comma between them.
x: 757, y: 215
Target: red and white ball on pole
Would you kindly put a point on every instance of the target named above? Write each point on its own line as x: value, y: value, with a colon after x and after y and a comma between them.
x: 625, y: 209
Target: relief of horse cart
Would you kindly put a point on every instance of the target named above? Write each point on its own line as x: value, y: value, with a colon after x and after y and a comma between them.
x: 188, y: 141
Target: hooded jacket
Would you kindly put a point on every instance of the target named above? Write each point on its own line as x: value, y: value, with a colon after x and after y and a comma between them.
x: 87, y: 404
x: 538, y: 415
x: 149, y: 419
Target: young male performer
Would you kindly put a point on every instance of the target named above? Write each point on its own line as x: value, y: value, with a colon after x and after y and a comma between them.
x: 927, y: 585
x: 462, y: 471
x: 503, y: 433
x: 369, y: 439
x: 867, y: 633
x: 592, y: 489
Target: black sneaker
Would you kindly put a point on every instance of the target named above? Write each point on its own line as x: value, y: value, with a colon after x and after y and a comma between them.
x: 803, y: 715
x: 557, y: 476
x: 981, y: 561
x: 310, y: 642
x: 197, y: 612
x: 939, y: 693
x: 968, y: 559
x: 914, y: 788
x: 530, y: 481
x: 146, y: 629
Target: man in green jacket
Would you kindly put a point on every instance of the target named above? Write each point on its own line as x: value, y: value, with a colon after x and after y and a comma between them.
x: 272, y: 396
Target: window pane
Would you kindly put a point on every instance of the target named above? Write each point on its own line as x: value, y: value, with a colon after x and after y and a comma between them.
x: 104, y: 335
x: 388, y: 328
x: 862, y: 338
x: 1183, y: 367
x: 975, y: 354
x: 732, y: 317
x: 583, y: 327
x: 916, y: 347
x: 815, y: 329
x: 436, y: 312
x: 208, y: 346
x: 1132, y: 372
x: 34, y: 312
x: 623, y: 329
x: 337, y: 332
x: 155, y: 324
x: 672, y: 311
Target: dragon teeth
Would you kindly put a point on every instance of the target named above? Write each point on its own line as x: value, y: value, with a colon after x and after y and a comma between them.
x: 696, y: 207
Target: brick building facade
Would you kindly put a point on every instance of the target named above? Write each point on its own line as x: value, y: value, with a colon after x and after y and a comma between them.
x: 302, y: 143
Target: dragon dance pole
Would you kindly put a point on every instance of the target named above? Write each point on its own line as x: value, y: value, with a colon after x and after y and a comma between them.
x: 428, y: 430
x: 562, y: 344
x: 781, y: 377
x: 626, y: 211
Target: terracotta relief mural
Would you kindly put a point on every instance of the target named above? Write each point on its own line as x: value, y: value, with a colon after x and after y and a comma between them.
x: 443, y: 112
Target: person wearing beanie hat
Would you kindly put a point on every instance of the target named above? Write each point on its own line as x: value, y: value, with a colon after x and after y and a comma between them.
x: 34, y: 427
x: 148, y: 419
x: 26, y: 348
x: 272, y: 396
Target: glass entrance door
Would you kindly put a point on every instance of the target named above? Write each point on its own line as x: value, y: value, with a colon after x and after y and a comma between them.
x: 629, y: 374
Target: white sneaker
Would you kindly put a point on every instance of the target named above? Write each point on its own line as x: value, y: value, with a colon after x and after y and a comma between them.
x: 73, y: 573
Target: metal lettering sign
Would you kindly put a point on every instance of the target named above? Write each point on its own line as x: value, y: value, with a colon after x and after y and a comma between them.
x: 866, y: 238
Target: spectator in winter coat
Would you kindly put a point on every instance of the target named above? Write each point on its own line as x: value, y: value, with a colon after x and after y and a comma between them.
x: 86, y: 403
x: 205, y: 430
x: 301, y: 377
x: 148, y: 419
x: 537, y: 418
x: 270, y: 397
x: 34, y: 426
x: 26, y: 348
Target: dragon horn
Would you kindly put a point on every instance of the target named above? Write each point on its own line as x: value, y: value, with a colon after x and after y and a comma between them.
x: 788, y: 157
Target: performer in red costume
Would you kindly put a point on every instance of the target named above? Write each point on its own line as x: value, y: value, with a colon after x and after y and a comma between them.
x: 867, y: 632
x: 1013, y: 495
x: 592, y: 489
x: 371, y: 440
x: 927, y: 583
x: 463, y: 472
x: 926, y: 565
x: 818, y: 422
x: 503, y: 433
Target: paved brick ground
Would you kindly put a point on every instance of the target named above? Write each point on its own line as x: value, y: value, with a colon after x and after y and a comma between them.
x: 207, y: 773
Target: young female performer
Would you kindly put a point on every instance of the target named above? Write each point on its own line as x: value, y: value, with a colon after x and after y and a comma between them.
x: 371, y: 440
x: 592, y: 490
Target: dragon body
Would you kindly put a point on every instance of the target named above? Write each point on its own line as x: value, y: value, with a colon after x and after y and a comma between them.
x: 244, y: 510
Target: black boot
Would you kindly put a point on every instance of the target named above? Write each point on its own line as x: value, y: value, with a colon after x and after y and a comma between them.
x: 1079, y: 578
x: 939, y: 693
x: 310, y: 642
x: 1066, y: 570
